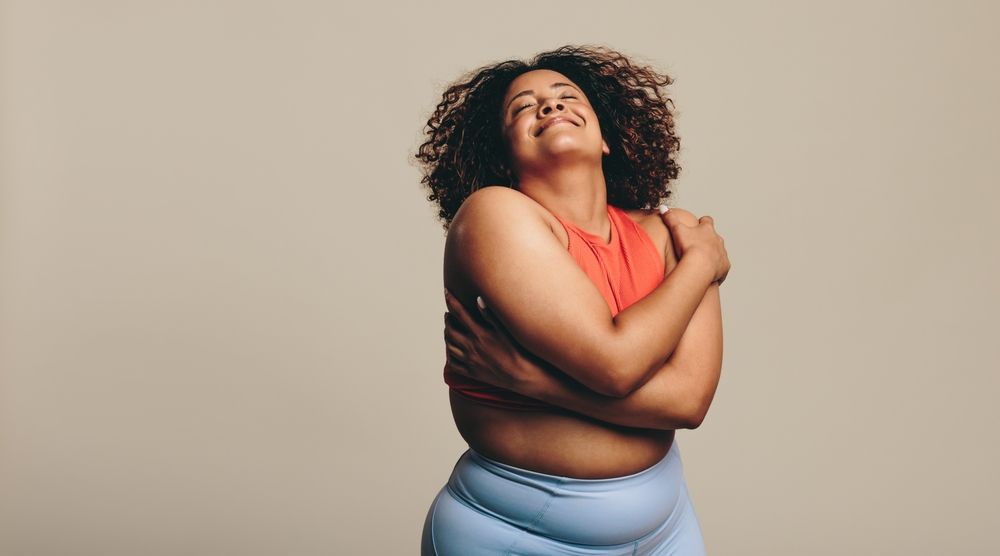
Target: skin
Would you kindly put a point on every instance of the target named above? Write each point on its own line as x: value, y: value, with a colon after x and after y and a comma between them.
x: 617, y: 374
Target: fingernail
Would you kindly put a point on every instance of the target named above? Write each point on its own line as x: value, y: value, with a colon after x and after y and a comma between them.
x: 663, y: 208
x: 480, y: 302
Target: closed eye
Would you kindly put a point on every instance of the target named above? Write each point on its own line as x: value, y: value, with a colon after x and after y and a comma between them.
x: 527, y: 105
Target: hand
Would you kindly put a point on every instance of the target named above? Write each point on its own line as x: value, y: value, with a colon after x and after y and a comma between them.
x: 482, y: 349
x: 697, y: 236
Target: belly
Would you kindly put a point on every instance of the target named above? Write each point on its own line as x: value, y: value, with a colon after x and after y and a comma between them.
x: 556, y: 442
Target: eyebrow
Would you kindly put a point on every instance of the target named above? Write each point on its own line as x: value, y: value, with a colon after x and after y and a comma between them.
x: 531, y: 92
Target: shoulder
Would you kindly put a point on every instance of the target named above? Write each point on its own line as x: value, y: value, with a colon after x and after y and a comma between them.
x: 499, y: 235
x: 651, y: 218
x: 652, y: 222
x: 500, y: 211
x: 493, y: 200
x: 683, y: 216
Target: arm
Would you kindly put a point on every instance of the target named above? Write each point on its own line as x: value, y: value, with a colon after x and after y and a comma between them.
x: 677, y: 396
x: 500, y: 246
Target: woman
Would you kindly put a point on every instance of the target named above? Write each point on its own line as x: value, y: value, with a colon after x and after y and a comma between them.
x: 603, y: 329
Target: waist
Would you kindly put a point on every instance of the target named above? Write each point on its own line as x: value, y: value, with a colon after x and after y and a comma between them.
x: 596, y: 512
x: 488, y: 394
x: 557, y: 441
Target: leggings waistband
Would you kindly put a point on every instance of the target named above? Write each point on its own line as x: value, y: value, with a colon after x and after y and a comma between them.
x: 592, y: 512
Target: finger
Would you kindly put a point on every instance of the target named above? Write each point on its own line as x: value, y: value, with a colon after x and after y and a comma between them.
x: 666, y: 214
x: 457, y: 364
x: 453, y: 332
x: 455, y: 321
x: 484, y: 311
x: 454, y: 352
x: 455, y: 306
x: 495, y: 326
x: 673, y: 218
x: 467, y: 322
x: 707, y: 218
x: 489, y: 320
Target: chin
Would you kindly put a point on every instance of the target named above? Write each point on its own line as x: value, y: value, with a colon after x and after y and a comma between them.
x: 563, y: 143
x: 572, y: 150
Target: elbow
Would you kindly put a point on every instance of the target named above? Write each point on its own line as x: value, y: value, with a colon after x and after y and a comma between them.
x: 694, y: 419
x: 617, y: 389
x: 613, y: 388
x: 607, y: 375
x: 695, y: 415
x: 677, y: 417
x: 626, y: 381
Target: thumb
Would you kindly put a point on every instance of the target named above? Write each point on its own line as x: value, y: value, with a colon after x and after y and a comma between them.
x: 668, y: 216
x: 673, y: 219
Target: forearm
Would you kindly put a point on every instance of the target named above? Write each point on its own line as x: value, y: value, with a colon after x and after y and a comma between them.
x: 662, y: 402
x: 676, y: 396
x: 500, y: 249
x: 648, y: 331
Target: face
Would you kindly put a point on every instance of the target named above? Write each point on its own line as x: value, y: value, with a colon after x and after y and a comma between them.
x: 546, y: 116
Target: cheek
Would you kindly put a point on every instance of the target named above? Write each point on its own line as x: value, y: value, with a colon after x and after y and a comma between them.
x: 517, y: 138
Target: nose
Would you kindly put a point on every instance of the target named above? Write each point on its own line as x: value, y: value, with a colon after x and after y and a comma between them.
x: 552, y: 104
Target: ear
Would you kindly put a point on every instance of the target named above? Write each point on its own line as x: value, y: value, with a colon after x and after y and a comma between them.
x: 604, y: 147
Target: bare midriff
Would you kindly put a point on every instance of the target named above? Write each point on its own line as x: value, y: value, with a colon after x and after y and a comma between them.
x: 557, y: 442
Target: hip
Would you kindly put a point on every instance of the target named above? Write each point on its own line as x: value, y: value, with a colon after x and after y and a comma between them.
x: 491, y: 507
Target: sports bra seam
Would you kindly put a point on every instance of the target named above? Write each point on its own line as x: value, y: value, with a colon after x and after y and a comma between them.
x: 647, y: 240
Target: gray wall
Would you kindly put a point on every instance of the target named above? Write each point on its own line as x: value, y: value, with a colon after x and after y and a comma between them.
x: 220, y: 282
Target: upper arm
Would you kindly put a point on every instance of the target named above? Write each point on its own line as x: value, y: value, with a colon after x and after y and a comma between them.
x: 507, y: 253
x: 704, y: 332
x: 652, y: 222
x: 670, y: 256
x: 699, y: 351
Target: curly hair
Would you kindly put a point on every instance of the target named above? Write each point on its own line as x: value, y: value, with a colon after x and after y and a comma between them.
x: 465, y: 148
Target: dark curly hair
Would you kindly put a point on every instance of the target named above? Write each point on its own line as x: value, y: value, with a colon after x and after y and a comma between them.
x: 465, y: 149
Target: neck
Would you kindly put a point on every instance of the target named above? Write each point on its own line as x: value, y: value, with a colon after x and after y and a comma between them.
x: 576, y: 193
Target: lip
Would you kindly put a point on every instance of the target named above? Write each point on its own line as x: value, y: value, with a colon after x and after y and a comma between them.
x: 553, y: 121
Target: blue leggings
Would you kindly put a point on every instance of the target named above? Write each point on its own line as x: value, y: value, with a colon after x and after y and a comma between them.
x: 488, y: 507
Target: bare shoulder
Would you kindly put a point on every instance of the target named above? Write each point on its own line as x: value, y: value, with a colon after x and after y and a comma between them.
x: 500, y: 210
x: 488, y: 204
x: 686, y: 217
x: 651, y: 221
x: 651, y: 218
x: 488, y: 222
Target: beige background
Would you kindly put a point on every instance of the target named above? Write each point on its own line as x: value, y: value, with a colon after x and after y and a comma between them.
x: 220, y: 282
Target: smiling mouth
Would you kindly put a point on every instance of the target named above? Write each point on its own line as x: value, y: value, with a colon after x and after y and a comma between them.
x: 557, y: 122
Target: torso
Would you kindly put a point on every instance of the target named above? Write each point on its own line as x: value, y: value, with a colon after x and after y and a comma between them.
x: 560, y: 442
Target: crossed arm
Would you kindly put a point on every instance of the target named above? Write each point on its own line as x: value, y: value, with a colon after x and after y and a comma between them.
x: 676, y: 395
x: 499, y: 247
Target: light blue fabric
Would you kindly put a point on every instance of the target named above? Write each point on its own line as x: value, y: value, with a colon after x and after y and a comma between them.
x: 488, y: 507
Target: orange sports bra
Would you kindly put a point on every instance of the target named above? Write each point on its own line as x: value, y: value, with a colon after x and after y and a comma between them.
x: 624, y: 270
